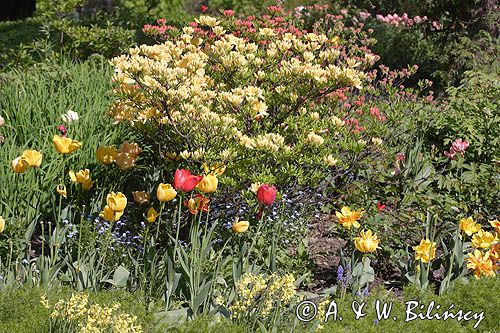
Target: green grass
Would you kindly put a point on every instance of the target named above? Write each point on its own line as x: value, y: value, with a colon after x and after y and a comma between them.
x: 21, y: 311
x: 31, y: 102
x: 473, y: 295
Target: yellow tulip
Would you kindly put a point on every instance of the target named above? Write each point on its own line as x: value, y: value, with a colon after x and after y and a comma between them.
x: 65, y: 145
x: 106, y: 155
x: 110, y: 215
x: 125, y: 161
x: 366, y: 242
x: 61, y: 189
x: 348, y: 218
x: 151, y: 215
x: 141, y: 197
x: 483, y: 239
x: 496, y: 225
x: 425, y: 251
x: 469, y: 226
x: 19, y: 164
x: 87, y: 185
x: 165, y: 192
x: 240, y: 226
x: 208, y: 184
x: 481, y: 264
x: 33, y: 157
x: 116, y: 201
x: 82, y: 177
x: 2, y: 224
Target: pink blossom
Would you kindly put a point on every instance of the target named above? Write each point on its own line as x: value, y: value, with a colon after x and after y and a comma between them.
x: 460, y: 146
x: 364, y: 15
x: 62, y: 129
x: 436, y: 25
x: 457, y: 147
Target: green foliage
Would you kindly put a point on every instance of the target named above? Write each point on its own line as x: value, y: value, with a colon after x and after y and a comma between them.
x: 60, y: 28
x: 139, y: 12
x: 473, y: 114
x: 32, y: 102
x: 21, y: 310
x: 466, y: 296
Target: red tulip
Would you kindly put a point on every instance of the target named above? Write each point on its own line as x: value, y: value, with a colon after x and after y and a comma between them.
x: 185, y: 181
x: 197, y: 204
x: 203, y: 8
x: 266, y: 194
x: 381, y: 207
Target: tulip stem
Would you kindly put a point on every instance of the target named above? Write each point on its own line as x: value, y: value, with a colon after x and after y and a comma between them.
x: 43, y: 239
x: 179, y: 206
x: 255, y: 236
x: 159, y: 221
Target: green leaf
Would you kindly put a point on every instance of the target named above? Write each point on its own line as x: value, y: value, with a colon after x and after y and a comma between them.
x: 120, y: 277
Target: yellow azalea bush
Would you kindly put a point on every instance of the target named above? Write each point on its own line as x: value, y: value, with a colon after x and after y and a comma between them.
x: 233, y: 99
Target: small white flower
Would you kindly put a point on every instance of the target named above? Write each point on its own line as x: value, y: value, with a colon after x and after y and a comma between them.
x: 70, y: 116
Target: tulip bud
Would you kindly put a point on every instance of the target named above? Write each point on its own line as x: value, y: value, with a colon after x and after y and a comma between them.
x: 141, y: 197
x: 19, y: 164
x: 65, y: 145
x: 61, y: 189
x: 106, y: 155
x: 62, y: 129
x: 116, y: 201
x: 266, y: 194
x: 151, y: 215
x: 185, y: 181
x: 33, y: 157
x: 240, y: 226
x: 2, y: 224
x: 208, y: 184
x: 125, y: 161
x: 2, y: 121
x: 165, y: 193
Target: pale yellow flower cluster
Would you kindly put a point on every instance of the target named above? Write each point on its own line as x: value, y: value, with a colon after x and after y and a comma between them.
x: 261, y: 295
x: 270, y: 142
x: 73, y: 309
x: 91, y: 318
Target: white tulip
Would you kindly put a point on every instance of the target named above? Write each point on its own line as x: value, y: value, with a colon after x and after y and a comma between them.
x: 70, y: 116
